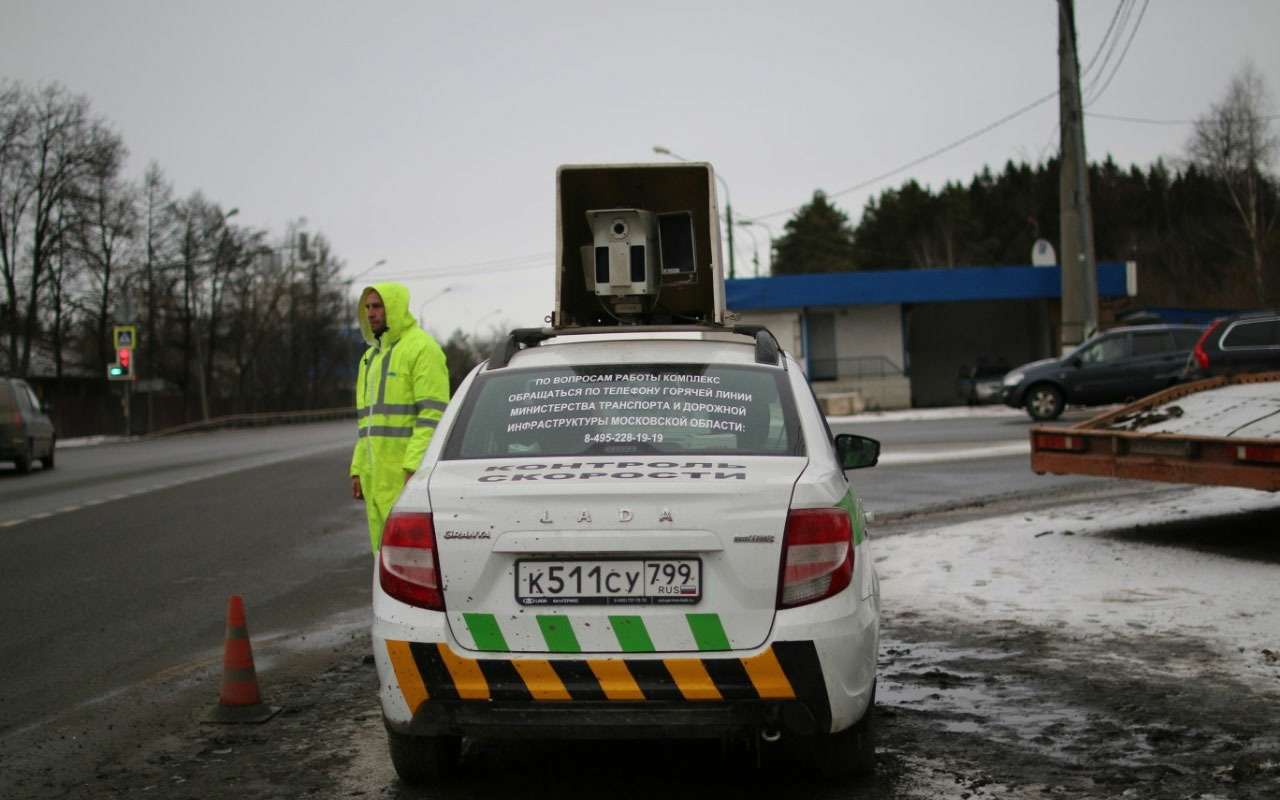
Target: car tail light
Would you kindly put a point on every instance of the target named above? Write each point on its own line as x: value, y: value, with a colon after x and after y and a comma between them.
x: 1264, y: 453
x: 1056, y: 441
x: 408, y: 565
x: 1201, y: 356
x: 817, y: 555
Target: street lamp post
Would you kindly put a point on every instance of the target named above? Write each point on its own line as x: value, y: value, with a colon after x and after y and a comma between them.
x: 422, y: 315
x: 755, y: 249
x: 745, y: 223
x: 367, y: 270
x: 728, y: 204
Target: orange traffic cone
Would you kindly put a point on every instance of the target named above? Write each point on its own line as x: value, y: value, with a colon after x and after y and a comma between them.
x: 239, y: 699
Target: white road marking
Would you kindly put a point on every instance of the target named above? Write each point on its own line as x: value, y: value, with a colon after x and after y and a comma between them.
x: 965, y: 454
x: 215, y: 473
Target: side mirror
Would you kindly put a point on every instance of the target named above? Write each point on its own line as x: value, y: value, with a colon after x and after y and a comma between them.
x: 856, y: 452
x: 1076, y: 362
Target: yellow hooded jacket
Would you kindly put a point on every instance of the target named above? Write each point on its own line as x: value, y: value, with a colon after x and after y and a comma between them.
x: 401, y: 391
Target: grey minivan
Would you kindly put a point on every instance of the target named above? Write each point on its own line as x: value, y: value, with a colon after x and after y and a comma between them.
x: 1111, y: 367
x: 26, y: 432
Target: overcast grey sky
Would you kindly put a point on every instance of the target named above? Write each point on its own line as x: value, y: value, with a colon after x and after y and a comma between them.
x: 428, y: 133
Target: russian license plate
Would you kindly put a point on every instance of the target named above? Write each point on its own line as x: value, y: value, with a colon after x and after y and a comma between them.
x: 609, y: 581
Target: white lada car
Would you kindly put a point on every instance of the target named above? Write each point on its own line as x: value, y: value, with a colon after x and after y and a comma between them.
x: 630, y: 533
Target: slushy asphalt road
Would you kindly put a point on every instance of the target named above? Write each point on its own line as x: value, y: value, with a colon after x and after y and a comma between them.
x: 127, y: 574
x: 116, y: 566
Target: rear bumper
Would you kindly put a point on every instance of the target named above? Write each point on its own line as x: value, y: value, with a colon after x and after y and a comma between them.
x: 431, y: 689
x: 606, y: 720
x: 817, y: 675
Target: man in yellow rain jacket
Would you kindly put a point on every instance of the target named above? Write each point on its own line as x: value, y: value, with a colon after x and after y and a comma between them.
x: 401, y: 391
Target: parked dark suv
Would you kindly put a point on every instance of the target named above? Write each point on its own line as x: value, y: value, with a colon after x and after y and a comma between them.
x: 26, y: 432
x: 1111, y: 367
x: 1245, y: 342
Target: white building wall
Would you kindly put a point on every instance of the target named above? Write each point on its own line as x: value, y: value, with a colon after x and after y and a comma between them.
x: 864, y: 335
x: 871, y: 331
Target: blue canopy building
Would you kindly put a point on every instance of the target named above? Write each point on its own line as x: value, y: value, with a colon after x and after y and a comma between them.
x: 898, y: 338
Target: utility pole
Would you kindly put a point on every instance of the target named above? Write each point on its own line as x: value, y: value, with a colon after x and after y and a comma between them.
x: 1079, y: 265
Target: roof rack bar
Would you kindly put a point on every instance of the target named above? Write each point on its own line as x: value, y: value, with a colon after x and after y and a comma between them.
x: 767, y: 348
x: 508, y: 347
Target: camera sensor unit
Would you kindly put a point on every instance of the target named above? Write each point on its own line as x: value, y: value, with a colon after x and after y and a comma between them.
x: 622, y: 260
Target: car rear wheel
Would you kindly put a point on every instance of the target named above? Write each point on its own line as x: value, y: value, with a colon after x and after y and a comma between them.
x: 423, y: 760
x: 851, y: 751
x: 24, y: 459
x: 1044, y: 402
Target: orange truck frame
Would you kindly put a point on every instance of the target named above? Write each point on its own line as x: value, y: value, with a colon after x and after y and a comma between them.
x: 1115, y: 445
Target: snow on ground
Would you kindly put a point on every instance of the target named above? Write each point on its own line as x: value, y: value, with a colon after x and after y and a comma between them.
x: 924, y: 414
x: 951, y: 412
x: 1246, y: 410
x: 1059, y: 568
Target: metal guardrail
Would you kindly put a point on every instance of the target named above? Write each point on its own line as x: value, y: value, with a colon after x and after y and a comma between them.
x: 258, y: 420
x: 829, y: 369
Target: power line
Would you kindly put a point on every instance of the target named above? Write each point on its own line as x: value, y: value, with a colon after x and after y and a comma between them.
x: 1125, y: 11
x: 1123, y: 53
x: 456, y: 272
x: 985, y: 129
x: 1150, y: 121
x: 931, y: 155
x: 508, y: 264
x: 1102, y: 43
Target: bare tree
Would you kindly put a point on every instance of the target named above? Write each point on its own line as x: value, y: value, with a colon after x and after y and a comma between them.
x: 50, y: 146
x: 1234, y: 143
x: 105, y: 228
x: 16, y: 192
x: 157, y: 231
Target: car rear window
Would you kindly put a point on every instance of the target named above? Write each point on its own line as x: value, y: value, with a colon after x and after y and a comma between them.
x: 662, y: 409
x: 7, y: 401
x: 1259, y: 333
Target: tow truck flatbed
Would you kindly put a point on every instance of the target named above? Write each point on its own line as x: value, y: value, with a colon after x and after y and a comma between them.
x: 1222, y: 431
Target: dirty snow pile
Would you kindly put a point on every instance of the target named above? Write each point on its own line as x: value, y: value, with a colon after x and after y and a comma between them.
x: 1060, y: 568
x: 1245, y: 410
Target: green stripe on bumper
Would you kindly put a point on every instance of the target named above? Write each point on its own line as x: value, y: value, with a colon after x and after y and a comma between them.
x: 484, y: 629
x: 632, y: 635
x: 558, y: 633
x: 708, y: 632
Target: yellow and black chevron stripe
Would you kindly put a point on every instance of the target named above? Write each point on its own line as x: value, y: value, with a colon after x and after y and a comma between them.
x: 433, y: 672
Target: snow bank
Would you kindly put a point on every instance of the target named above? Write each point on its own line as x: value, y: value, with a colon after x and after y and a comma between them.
x: 1059, y: 568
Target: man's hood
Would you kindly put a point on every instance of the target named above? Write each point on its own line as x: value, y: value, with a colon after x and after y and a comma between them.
x: 395, y: 297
